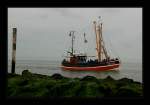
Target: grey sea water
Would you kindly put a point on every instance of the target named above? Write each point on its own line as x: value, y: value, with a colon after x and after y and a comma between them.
x: 128, y: 70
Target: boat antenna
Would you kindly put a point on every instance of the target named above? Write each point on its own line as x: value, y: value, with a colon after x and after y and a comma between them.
x: 71, y: 34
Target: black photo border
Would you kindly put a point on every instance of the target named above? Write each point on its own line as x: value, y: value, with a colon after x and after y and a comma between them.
x: 56, y: 4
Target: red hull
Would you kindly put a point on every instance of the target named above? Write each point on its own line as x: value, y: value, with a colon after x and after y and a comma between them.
x: 96, y: 68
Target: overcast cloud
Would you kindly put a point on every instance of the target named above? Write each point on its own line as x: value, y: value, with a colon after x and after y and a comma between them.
x: 42, y: 33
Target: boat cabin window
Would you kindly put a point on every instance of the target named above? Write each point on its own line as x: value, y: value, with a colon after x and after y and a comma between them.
x: 81, y: 59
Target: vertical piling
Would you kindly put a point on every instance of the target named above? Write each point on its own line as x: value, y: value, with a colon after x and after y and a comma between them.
x: 14, y: 50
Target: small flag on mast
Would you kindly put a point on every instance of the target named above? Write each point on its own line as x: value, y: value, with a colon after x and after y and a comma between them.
x: 85, y: 41
x: 99, y: 17
x: 70, y: 34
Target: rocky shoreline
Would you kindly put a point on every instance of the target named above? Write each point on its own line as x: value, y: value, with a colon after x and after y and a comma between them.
x: 37, y: 85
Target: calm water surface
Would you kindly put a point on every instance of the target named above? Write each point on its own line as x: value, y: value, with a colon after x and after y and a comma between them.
x: 129, y: 70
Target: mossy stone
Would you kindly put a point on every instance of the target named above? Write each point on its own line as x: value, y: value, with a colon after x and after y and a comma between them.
x: 127, y: 91
x: 26, y: 74
x: 57, y: 76
x: 36, y: 85
x: 89, y: 79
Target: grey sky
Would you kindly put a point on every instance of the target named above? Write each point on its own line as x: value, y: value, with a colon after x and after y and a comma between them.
x: 42, y: 33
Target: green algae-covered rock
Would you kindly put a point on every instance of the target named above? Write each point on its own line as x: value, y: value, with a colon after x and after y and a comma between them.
x: 109, y: 78
x: 36, y: 85
x: 26, y: 74
x: 105, y: 90
x: 9, y: 75
x: 125, y: 80
x: 39, y: 76
x: 13, y: 86
x: 129, y: 91
x: 73, y: 89
x: 89, y: 90
x: 57, y: 76
x: 90, y: 79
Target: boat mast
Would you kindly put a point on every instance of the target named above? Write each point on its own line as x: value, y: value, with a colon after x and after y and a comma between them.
x: 72, y: 41
x: 94, y: 22
x: 98, y: 40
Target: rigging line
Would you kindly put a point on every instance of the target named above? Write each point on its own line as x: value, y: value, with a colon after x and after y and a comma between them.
x: 109, y: 51
x: 83, y: 30
x: 77, y: 47
x: 112, y: 48
x: 86, y: 27
x: 103, y: 45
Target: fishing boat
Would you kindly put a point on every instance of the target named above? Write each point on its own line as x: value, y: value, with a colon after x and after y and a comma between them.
x: 83, y: 62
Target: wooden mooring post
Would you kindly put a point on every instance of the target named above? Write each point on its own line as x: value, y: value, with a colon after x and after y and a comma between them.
x: 14, y: 50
